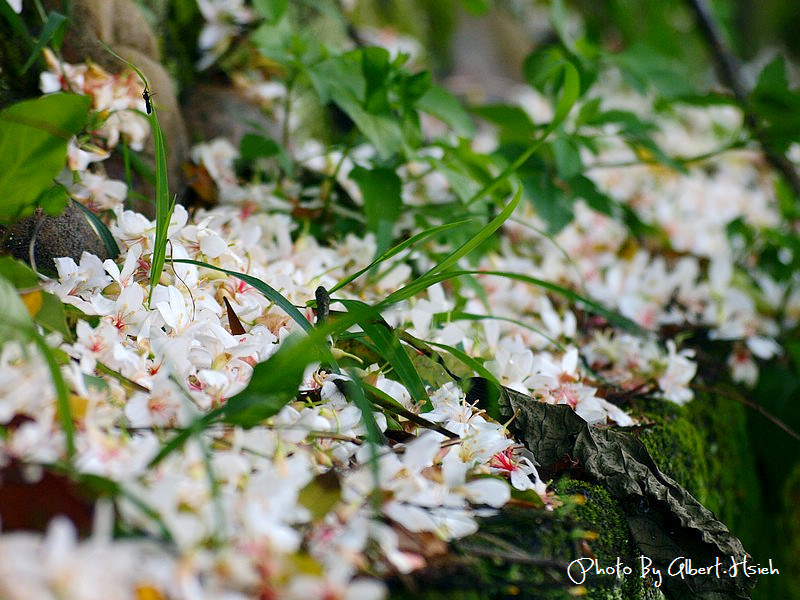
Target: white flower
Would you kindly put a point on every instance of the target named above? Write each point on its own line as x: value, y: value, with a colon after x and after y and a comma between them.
x: 680, y: 370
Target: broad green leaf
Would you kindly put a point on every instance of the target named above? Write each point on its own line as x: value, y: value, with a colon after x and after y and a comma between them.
x: 567, y: 157
x: 512, y: 119
x: 274, y: 384
x: 53, y: 200
x: 340, y: 80
x: 33, y: 148
x: 17, y: 273
x: 52, y: 317
x: 254, y: 146
x: 646, y: 67
x: 321, y: 494
x: 477, y: 7
x: 443, y: 105
x: 551, y: 202
x: 376, y: 68
x: 271, y: 10
x: 381, y: 189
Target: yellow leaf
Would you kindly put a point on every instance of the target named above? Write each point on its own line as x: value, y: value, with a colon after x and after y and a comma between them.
x: 33, y: 302
x: 148, y: 592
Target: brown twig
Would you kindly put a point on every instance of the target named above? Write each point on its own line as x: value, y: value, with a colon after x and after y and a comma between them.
x: 730, y: 74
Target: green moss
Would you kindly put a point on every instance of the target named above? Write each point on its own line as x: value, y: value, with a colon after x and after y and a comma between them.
x: 602, y: 515
x: 678, y: 448
x: 789, y: 524
x: 704, y: 446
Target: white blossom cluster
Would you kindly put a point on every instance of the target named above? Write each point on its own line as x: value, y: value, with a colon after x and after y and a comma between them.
x: 234, y: 513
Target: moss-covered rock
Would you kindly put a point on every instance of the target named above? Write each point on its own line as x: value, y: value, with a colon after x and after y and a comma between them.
x: 525, y: 553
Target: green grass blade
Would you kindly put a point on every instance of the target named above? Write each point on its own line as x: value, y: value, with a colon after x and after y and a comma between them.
x: 62, y: 394
x: 455, y: 316
x: 105, y: 235
x: 467, y: 360
x: 485, y: 232
x: 164, y: 205
x: 388, y: 345
x: 17, y: 323
x: 54, y: 21
x: 355, y: 392
x: 306, y: 349
x: 421, y: 236
x: 268, y: 291
x: 425, y: 282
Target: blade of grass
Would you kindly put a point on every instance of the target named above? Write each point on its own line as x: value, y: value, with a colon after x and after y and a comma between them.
x: 268, y: 291
x: 20, y: 325
x: 112, y: 249
x: 423, y: 235
x: 164, y: 205
x: 455, y: 316
x: 54, y: 21
x: 303, y: 352
x: 388, y: 345
x: 467, y: 360
x: 485, y: 232
x: 374, y: 436
x: 386, y: 402
x: 425, y: 282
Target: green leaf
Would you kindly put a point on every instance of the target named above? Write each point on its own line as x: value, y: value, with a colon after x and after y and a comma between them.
x: 321, y: 494
x: 375, y: 68
x: 340, y: 80
x: 53, y: 200
x: 567, y: 157
x: 33, y: 148
x: 477, y: 8
x: 381, y: 188
x: 510, y: 118
x: 271, y: 10
x: 273, y: 385
x: 55, y: 21
x: 254, y: 146
x: 646, y: 67
x: 551, y: 202
x: 443, y: 105
x: 16, y: 272
x: 51, y: 315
